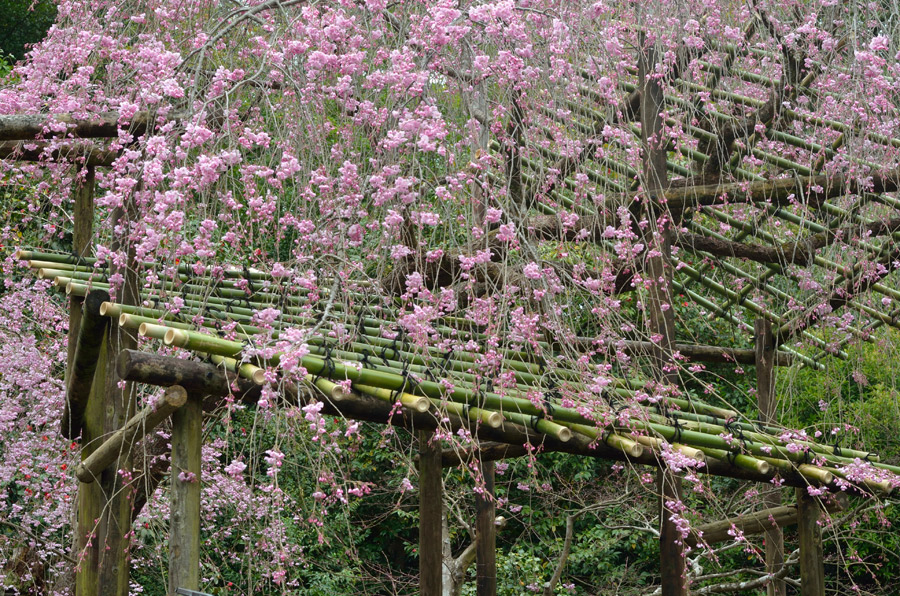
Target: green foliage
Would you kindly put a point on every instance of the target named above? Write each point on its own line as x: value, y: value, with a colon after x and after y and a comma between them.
x: 23, y: 23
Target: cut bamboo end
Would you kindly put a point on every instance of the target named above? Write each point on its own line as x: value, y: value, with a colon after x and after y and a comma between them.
x: 61, y: 284
x: 690, y: 452
x: 763, y: 467
x: 493, y: 419
x: 814, y: 473
x: 258, y: 376
x: 125, y: 320
x: 417, y: 403
x: 626, y: 445
x: 43, y: 273
x: 20, y: 255
x: 564, y: 434
x: 176, y: 337
x: 105, y: 309
x: 175, y: 396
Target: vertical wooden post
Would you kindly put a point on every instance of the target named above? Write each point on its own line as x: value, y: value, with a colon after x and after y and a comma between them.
x: 766, y: 402
x: 83, y: 231
x: 486, y: 535
x: 184, y: 517
x: 812, y: 565
x: 119, y: 405
x: 90, y: 499
x: 430, y: 513
x: 661, y: 312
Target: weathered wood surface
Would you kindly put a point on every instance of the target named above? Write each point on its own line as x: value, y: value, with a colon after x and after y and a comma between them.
x: 755, y: 523
x: 766, y: 404
x: 184, y: 530
x: 812, y: 564
x: 90, y: 496
x: 486, y: 535
x: 82, y: 233
x: 486, y: 452
x: 120, y: 404
x: 431, y: 508
x: 28, y: 127
x: 42, y: 151
x: 122, y: 440
x: 91, y: 333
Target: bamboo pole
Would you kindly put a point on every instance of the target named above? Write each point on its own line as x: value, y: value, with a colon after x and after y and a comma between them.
x: 184, y: 531
x: 138, y: 426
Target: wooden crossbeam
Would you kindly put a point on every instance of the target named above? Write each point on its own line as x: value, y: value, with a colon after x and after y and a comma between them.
x: 755, y: 523
x: 138, y: 426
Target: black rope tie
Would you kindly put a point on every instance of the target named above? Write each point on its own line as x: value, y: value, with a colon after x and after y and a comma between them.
x: 535, y: 419
x: 549, y: 395
x: 327, y: 365
x: 364, y: 361
x: 837, y: 444
x: 405, y: 374
x: 676, y: 424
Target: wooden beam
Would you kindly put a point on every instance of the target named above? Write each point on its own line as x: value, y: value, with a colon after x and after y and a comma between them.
x: 122, y: 440
x: 91, y: 333
x: 184, y: 532
x: 812, y: 566
x: 106, y: 125
x: 766, y: 404
x: 486, y: 535
x: 41, y: 151
x: 430, y: 512
x: 755, y: 523
x: 198, y: 378
x: 486, y: 451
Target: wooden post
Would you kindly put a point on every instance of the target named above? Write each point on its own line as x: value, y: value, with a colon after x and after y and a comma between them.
x: 83, y: 231
x: 430, y: 513
x: 812, y: 566
x: 658, y: 269
x: 486, y: 535
x: 83, y: 366
x: 91, y: 498
x: 184, y: 529
x: 766, y: 403
x: 119, y: 404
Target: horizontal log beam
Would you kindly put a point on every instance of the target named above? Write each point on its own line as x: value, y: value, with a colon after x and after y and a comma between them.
x: 137, y: 427
x: 486, y: 451
x: 84, y: 364
x: 756, y: 523
x: 41, y: 151
x: 210, y: 382
x: 696, y: 352
x: 30, y: 127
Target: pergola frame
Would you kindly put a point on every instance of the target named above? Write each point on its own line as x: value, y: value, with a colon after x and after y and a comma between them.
x: 106, y: 418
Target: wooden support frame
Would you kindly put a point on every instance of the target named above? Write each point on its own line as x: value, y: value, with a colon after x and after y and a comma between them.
x: 184, y: 529
x: 812, y: 564
x: 90, y: 335
x: 486, y: 535
x: 756, y: 523
x: 122, y: 440
x: 431, y: 509
x: 766, y: 403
